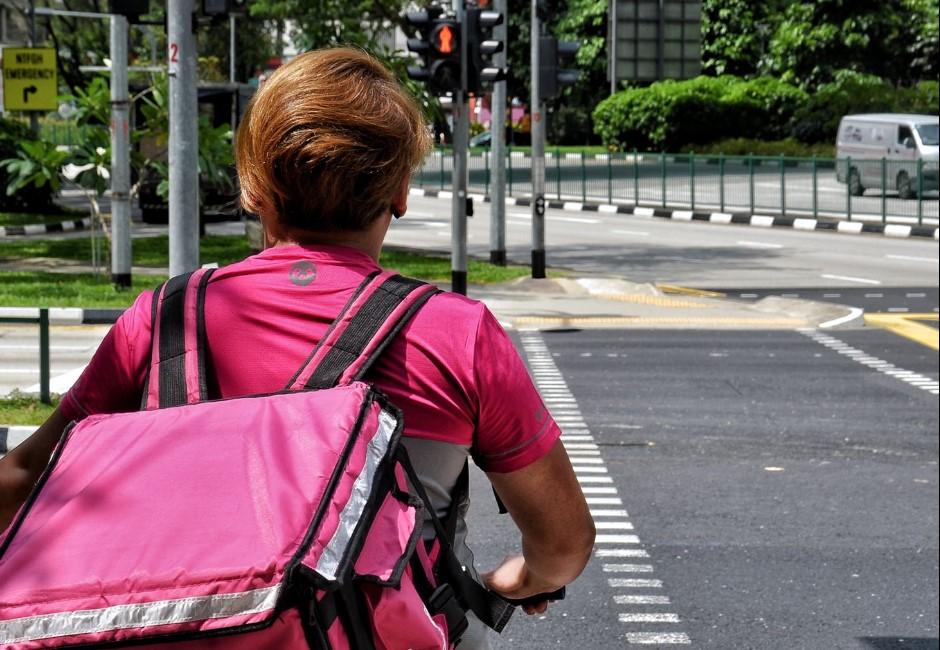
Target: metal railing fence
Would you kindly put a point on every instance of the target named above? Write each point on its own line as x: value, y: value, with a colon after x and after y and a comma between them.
x: 900, y: 191
x: 42, y: 319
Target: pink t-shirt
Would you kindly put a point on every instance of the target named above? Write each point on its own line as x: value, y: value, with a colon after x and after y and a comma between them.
x: 452, y: 370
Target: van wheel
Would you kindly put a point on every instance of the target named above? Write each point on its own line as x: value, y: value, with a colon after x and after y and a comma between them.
x: 905, y: 187
x: 855, y: 183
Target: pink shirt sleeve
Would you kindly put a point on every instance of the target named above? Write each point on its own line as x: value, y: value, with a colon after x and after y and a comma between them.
x: 515, y: 428
x: 113, y: 380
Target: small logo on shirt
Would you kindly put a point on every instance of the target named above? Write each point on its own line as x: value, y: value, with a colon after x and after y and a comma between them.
x: 303, y: 273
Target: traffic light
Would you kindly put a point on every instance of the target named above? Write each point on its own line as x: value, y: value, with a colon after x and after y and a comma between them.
x: 554, y: 54
x: 480, y: 69
x: 439, y: 48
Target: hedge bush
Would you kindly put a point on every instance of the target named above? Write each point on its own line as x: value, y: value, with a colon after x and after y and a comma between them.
x: 675, y: 115
x: 27, y: 199
x: 672, y: 114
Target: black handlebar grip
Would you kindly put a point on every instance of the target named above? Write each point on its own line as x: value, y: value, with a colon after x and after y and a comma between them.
x: 558, y: 594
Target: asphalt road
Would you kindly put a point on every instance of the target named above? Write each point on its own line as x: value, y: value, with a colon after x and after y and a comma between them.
x: 701, y: 255
x: 780, y: 490
x: 891, y: 300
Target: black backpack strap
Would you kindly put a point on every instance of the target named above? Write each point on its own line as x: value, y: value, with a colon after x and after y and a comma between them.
x: 489, y: 607
x: 362, y: 331
x: 178, y: 355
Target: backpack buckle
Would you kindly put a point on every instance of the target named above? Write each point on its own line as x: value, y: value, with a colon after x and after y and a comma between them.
x: 444, y: 601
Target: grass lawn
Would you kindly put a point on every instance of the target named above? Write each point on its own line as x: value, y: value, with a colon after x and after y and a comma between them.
x: 46, y: 289
x: 17, y: 409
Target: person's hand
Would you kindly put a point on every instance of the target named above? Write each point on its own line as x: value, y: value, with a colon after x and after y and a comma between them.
x: 512, y: 579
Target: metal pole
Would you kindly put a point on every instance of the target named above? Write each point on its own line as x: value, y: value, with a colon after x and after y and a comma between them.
x: 557, y: 157
x: 884, y: 189
x: 44, y: 355
x: 610, y: 180
x: 184, y: 138
x: 498, y: 146
x: 538, y: 152
x: 920, y: 191
x: 815, y: 187
x: 721, y: 181
x: 120, y: 157
x: 636, y: 177
x: 848, y: 187
x: 662, y: 170
x: 750, y: 170
x: 783, y: 186
x: 33, y: 116
x: 458, y: 238
x: 692, y: 180
x: 583, y: 179
x: 231, y: 68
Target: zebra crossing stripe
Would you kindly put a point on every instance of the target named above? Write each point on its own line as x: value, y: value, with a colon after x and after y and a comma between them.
x: 611, y: 541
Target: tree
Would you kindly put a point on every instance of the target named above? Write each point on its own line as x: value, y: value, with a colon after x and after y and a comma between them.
x: 814, y: 40
x: 735, y: 34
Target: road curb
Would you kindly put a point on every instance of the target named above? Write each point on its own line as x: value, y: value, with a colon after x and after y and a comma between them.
x: 45, y: 228
x: 66, y: 315
x: 737, y: 218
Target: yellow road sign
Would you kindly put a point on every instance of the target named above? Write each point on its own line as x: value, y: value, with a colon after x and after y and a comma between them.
x: 29, y: 79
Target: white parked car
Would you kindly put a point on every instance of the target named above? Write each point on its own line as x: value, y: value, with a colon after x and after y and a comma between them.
x: 900, y: 140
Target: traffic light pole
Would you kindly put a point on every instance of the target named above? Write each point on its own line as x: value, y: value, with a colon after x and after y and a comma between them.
x: 184, y: 138
x: 538, y: 153
x: 461, y: 132
x: 120, y: 157
x: 498, y: 149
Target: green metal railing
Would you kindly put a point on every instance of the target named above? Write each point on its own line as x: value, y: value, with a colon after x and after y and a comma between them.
x: 847, y: 188
x: 41, y: 319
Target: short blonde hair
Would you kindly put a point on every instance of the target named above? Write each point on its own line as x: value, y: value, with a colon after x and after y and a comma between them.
x: 328, y: 141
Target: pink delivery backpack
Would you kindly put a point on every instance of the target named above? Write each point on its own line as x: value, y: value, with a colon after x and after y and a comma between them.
x: 288, y: 520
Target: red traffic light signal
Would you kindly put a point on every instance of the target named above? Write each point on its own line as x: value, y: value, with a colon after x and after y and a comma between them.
x: 444, y: 39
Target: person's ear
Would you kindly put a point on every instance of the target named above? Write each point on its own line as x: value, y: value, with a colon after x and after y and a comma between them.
x: 400, y: 204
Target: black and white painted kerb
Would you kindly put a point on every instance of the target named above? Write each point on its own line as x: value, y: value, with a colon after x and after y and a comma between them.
x: 627, y: 565
x: 915, y: 379
x: 745, y: 219
x: 45, y: 228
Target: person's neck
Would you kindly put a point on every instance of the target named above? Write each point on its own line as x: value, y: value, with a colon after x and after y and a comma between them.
x: 349, y: 241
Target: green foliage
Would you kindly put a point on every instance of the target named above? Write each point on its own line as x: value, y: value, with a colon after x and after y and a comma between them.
x: 28, y: 198
x: 37, y: 164
x: 815, y: 40
x: 670, y: 114
x: 851, y: 92
x: 735, y: 34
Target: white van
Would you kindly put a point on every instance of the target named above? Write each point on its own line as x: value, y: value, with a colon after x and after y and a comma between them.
x: 901, y: 140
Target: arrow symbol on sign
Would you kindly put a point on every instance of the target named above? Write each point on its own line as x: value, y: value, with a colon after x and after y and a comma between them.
x: 27, y: 92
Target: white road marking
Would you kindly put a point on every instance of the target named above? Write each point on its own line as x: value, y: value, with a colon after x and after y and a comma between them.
x: 612, y: 523
x: 879, y: 365
x: 621, y: 552
x: 849, y: 278
x: 635, y: 583
x: 628, y: 568
x: 758, y: 244
x: 575, y: 219
x: 854, y: 312
x: 911, y: 258
x: 636, y: 233
x: 649, y: 618
x: 629, y: 599
x: 916, y: 295
x: 653, y: 638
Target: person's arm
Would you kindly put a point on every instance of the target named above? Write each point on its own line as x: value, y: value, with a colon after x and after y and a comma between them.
x: 22, y: 467
x: 546, y: 503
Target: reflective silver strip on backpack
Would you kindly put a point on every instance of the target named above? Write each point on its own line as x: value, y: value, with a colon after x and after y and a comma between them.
x: 139, y: 615
x: 328, y: 563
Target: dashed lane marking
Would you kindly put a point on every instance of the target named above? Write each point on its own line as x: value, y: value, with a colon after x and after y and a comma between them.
x: 615, y: 542
x: 912, y: 378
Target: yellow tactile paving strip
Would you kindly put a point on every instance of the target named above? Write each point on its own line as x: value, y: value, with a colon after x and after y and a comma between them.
x: 689, y: 291
x: 657, y: 301
x: 906, y: 325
